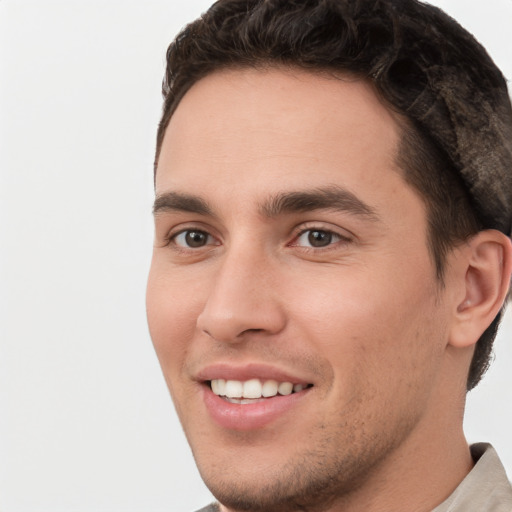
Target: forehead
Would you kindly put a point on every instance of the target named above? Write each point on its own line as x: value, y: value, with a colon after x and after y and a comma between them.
x: 273, y: 126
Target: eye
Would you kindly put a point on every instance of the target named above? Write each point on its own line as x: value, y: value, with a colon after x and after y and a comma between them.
x: 317, y: 238
x: 192, y: 239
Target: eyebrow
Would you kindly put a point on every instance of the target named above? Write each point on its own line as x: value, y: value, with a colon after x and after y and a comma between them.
x: 178, y: 202
x: 332, y: 198
x: 329, y: 198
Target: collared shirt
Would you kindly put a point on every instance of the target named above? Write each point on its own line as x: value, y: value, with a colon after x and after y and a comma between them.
x: 485, y: 489
x: 210, y: 508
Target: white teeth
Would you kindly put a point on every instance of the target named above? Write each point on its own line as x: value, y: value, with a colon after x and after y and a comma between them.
x: 285, y: 388
x: 242, y: 400
x: 253, y: 388
x: 269, y: 388
x: 219, y: 386
x: 234, y: 389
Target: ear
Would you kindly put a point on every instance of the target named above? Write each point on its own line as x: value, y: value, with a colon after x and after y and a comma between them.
x: 485, y: 265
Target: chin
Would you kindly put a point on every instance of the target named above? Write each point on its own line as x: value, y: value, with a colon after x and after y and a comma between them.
x: 305, y: 482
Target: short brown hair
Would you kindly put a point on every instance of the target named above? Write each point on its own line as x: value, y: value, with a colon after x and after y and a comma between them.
x: 456, y: 147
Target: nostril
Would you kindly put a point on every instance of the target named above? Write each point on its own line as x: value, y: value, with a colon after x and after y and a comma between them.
x: 234, y: 309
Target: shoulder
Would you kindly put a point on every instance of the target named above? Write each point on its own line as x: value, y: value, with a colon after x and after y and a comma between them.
x: 486, y: 488
x: 214, y: 507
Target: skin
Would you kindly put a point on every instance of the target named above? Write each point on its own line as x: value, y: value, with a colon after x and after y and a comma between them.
x: 363, y: 318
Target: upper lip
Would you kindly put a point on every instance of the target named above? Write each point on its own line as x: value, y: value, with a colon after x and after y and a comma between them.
x: 229, y: 371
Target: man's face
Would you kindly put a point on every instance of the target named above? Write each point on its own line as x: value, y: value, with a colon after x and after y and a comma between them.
x: 289, y: 252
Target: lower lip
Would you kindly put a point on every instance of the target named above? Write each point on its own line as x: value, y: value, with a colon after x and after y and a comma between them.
x: 254, y: 416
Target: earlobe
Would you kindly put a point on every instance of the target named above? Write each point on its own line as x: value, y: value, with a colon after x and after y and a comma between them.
x: 487, y: 266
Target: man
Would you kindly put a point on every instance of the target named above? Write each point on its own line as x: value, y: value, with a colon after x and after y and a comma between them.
x: 332, y: 254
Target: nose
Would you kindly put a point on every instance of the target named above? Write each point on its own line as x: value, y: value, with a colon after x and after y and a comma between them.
x: 243, y: 298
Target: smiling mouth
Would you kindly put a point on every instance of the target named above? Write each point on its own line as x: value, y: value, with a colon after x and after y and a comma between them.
x: 253, y: 390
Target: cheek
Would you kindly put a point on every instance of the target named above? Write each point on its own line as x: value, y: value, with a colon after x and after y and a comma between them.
x: 377, y: 326
x: 172, y: 311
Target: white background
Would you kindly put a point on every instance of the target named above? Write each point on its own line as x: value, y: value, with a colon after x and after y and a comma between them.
x: 85, y: 420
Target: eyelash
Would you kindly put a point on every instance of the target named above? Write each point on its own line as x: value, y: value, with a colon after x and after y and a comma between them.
x: 335, y: 239
x: 332, y: 244
x: 170, y: 240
